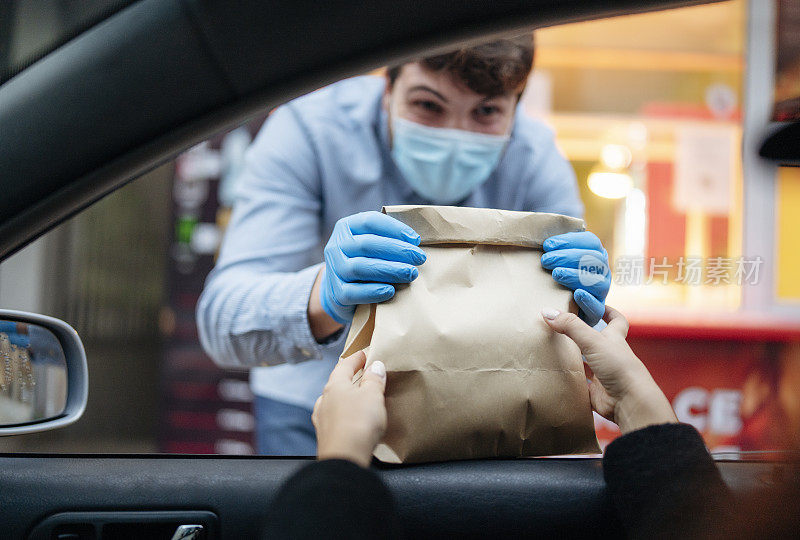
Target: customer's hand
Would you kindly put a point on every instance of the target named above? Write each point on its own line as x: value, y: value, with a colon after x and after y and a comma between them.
x: 621, y: 388
x: 350, y: 418
x: 580, y: 262
x: 366, y: 254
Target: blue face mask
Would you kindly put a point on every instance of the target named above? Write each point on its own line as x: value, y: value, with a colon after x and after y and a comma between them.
x: 444, y: 165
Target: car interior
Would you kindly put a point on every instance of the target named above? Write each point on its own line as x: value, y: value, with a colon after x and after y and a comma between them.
x: 136, y: 85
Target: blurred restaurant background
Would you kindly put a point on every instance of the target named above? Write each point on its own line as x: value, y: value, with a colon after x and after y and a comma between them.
x: 660, y: 115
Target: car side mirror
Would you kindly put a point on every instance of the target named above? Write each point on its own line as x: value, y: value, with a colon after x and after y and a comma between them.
x: 44, y: 382
x: 783, y: 145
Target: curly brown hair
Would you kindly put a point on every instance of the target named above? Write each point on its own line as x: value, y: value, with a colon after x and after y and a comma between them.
x: 492, y: 69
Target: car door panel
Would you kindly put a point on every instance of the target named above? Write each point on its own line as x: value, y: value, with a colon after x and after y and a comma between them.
x: 535, y: 497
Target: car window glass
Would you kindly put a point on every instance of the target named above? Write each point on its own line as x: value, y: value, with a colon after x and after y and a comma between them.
x: 646, y: 109
x: 29, y: 29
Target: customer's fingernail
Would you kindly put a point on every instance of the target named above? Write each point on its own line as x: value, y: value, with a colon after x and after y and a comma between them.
x: 549, y: 313
x: 378, y: 368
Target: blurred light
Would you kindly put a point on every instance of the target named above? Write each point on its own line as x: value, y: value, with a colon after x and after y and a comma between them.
x: 205, y: 238
x: 635, y: 222
x: 610, y: 184
x: 637, y: 135
x: 615, y: 156
x: 721, y: 100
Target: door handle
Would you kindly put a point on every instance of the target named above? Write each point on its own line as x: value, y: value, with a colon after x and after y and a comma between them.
x: 108, y: 525
x: 188, y: 532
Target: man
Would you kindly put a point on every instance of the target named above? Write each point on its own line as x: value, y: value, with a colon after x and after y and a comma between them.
x: 442, y: 130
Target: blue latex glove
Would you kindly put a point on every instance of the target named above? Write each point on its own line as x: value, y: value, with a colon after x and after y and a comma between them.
x: 366, y: 253
x: 579, y: 262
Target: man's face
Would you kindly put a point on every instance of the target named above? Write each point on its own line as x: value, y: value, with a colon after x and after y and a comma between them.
x: 436, y: 99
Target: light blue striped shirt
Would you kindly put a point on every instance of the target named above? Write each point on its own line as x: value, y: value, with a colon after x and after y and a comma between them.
x: 317, y: 159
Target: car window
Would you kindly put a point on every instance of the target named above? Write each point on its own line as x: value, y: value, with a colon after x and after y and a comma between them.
x: 648, y: 110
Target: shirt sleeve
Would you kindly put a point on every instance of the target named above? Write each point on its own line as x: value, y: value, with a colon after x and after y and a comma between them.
x: 333, y: 499
x: 552, y: 186
x: 664, y: 483
x: 253, y: 309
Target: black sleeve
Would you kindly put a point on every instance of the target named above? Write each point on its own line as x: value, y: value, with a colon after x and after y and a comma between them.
x: 664, y: 484
x: 332, y: 499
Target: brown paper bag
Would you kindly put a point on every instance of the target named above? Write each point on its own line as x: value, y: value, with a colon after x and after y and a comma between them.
x: 473, y: 370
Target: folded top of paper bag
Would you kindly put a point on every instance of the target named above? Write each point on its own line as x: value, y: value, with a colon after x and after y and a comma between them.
x: 461, y: 225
